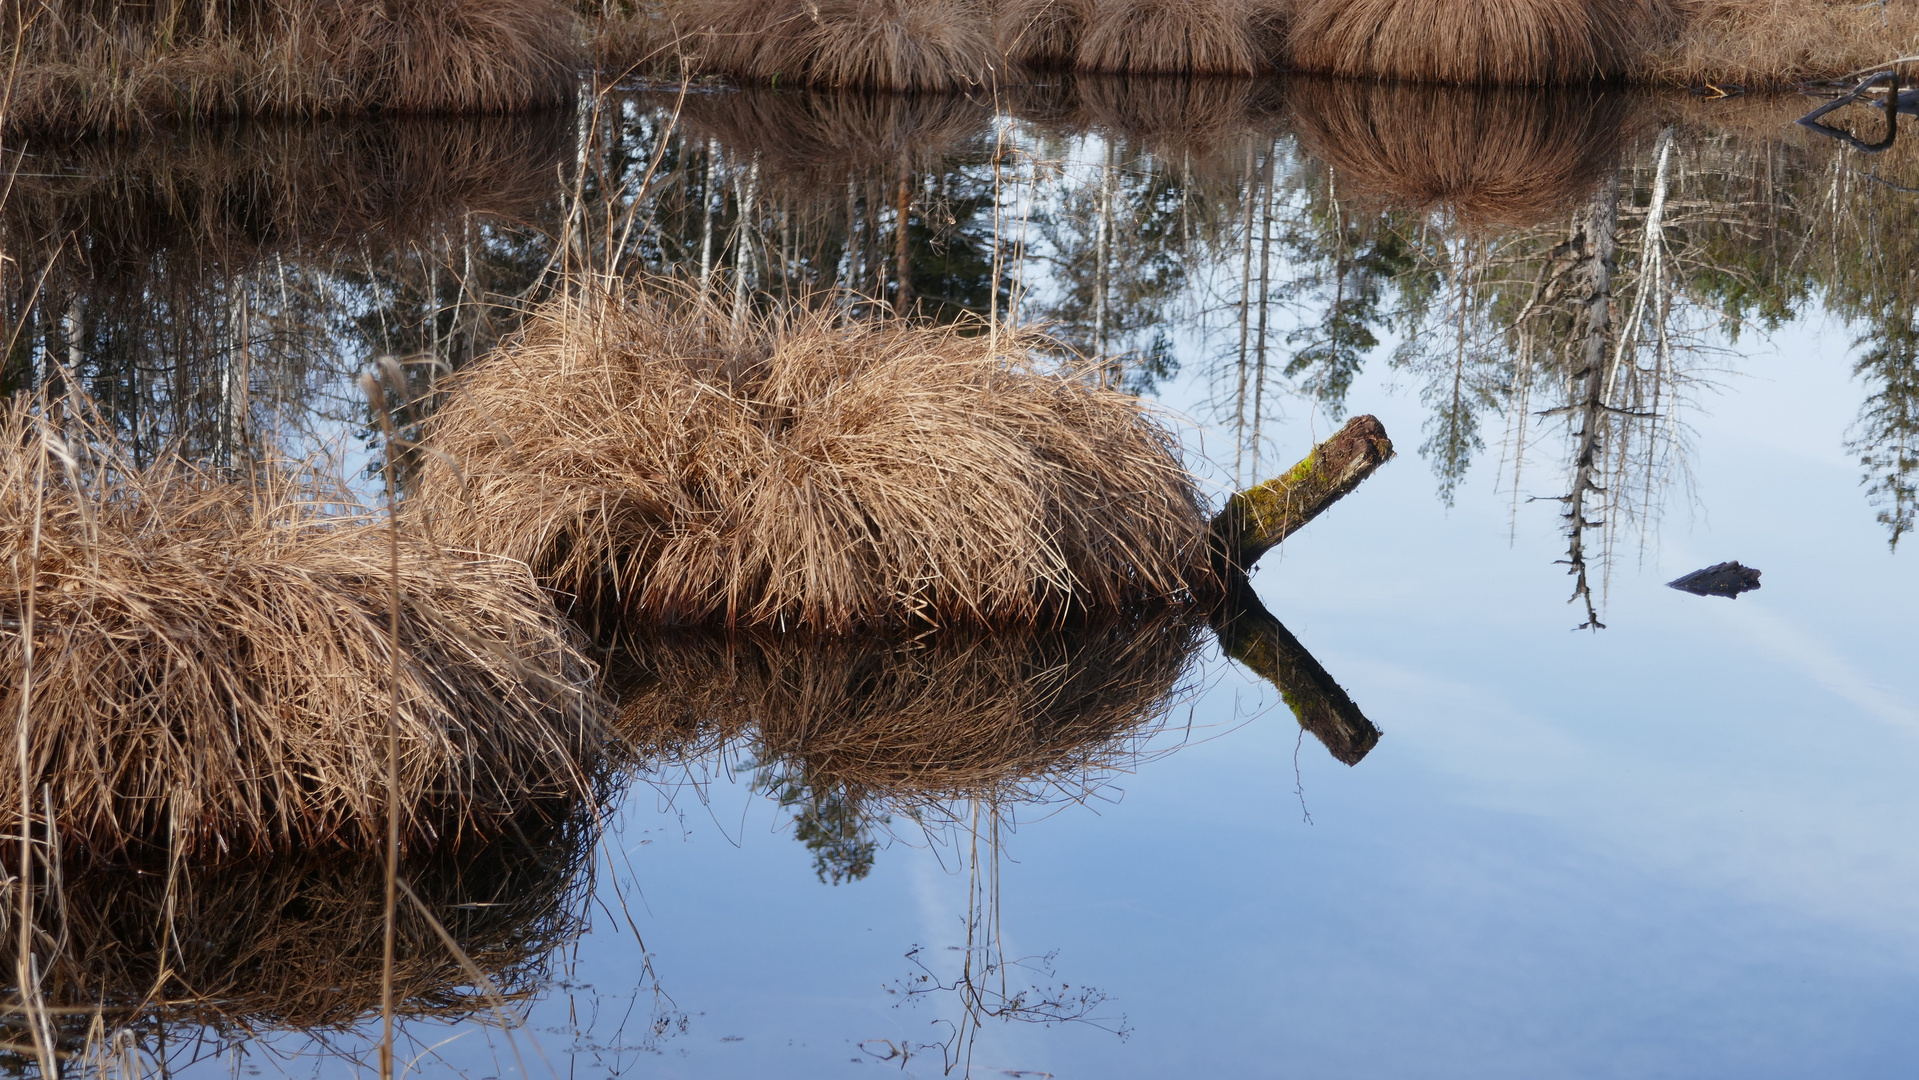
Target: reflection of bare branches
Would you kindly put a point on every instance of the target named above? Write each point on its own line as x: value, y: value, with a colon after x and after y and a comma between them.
x: 986, y: 984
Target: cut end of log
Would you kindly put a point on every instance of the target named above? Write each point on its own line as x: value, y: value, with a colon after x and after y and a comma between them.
x: 1257, y: 519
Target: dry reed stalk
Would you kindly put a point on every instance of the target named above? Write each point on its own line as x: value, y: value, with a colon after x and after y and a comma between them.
x: 294, y: 943
x: 1492, y: 157
x: 1510, y: 42
x: 916, y: 720
x: 98, y: 65
x: 643, y: 457
x: 1769, y: 44
x: 895, y: 45
x: 211, y: 662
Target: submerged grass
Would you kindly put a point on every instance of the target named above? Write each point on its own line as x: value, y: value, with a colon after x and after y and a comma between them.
x: 648, y: 454
x: 211, y: 661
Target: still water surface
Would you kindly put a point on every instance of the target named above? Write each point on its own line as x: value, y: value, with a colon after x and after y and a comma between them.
x: 1677, y: 845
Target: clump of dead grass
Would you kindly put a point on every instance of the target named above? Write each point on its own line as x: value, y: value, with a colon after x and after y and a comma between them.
x: 895, y: 45
x: 649, y: 455
x: 210, y: 661
x: 1181, y: 37
x: 912, y: 720
x: 99, y: 65
x: 1489, y: 156
x: 1766, y: 44
x: 1473, y: 41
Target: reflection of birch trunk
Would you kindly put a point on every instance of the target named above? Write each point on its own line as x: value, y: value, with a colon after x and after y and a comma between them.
x: 1265, y: 268
x: 1599, y: 228
x: 1103, y: 252
x: 1651, y: 263
x: 1245, y: 319
x: 743, y: 246
x: 706, y: 218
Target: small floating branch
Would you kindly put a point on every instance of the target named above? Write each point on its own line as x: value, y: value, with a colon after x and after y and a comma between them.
x: 1257, y: 519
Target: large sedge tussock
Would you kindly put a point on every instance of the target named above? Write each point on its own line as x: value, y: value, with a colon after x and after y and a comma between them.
x: 652, y: 456
x: 896, y: 45
x: 1177, y: 37
x: 88, y: 65
x: 911, y: 720
x: 211, y: 657
x: 1527, y: 42
x: 296, y: 942
x: 1488, y: 156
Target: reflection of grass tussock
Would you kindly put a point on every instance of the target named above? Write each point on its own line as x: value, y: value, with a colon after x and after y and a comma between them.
x: 296, y: 943
x: 1200, y: 123
x: 897, y: 45
x: 1176, y: 37
x: 210, y: 661
x: 104, y: 65
x: 789, y: 471
x: 810, y: 143
x: 235, y: 192
x: 1494, y: 157
x: 1471, y: 41
x: 951, y: 714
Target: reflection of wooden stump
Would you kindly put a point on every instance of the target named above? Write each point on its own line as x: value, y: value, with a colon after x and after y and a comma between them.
x: 1253, y: 636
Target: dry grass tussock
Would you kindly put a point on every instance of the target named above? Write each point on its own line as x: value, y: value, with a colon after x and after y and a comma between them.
x: 232, y: 194
x: 897, y: 45
x: 210, y: 662
x: 914, y: 720
x: 1775, y: 44
x: 1184, y: 37
x: 651, y: 456
x: 91, y: 65
x: 1474, y: 41
x: 295, y: 943
x: 1489, y: 156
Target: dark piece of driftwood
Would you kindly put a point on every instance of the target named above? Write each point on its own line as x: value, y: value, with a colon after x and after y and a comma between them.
x: 1253, y: 636
x: 1260, y: 517
x: 1727, y: 579
x: 1893, y: 105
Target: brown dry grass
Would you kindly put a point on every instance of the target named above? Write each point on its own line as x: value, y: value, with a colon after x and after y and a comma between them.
x: 897, y: 45
x: 643, y: 456
x: 211, y: 658
x: 1177, y: 37
x: 295, y: 943
x: 93, y: 65
x: 1490, y: 156
x: 1472, y: 41
x: 956, y: 714
x: 1777, y: 43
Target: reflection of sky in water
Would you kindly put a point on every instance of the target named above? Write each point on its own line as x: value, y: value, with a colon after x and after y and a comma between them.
x: 1676, y: 847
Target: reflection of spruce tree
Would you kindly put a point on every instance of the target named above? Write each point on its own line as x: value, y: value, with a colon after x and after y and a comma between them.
x: 1117, y: 248
x: 828, y: 819
x: 1888, y: 430
x: 1349, y: 259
